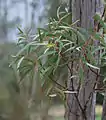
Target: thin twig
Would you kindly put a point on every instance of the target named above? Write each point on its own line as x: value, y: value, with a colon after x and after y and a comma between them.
x: 83, y: 112
x: 92, y: 91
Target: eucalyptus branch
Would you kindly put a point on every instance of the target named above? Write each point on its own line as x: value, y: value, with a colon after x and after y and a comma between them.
x: 98, y: 26
x: 76, y: 96
x: 65, y: 89
x: 85, y: 106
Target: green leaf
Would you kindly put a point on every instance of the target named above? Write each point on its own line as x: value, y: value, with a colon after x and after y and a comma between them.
x: 20, y: 61
x: 70, y: 43
x: 20, y: 30
x: 58, y: 12
x: 50, y: 68
x: 69, y: 49
x: 57, y: 64
x: 47, y: 53
x: 40, y: 36
x: 97, y: 49
x: 65, y: 16
x: 92, y: 66
x: 96, y: 17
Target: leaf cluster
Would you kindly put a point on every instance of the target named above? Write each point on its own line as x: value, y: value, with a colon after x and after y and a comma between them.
x: 55, y: 47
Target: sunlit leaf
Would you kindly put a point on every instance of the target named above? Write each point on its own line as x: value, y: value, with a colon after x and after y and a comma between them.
x: 50, y: 45
x: 92, y: 66
x: 19, y: 62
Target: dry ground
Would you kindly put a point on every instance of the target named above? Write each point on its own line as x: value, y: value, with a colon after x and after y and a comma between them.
x: 58, y: 112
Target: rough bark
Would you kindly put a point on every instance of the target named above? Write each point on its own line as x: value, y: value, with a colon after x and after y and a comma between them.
x: 104, y: 108
x: 83, y: 10
x: 103, y: 86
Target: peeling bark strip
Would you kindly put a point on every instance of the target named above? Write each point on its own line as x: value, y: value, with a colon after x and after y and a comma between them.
x: 81, y: 106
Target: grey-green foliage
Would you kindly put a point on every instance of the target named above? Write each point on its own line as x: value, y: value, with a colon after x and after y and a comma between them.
x: 51, y: 50
x: 54, y: 6
x: 45, y: 59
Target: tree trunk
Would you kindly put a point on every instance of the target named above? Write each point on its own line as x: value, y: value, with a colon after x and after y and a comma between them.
x: 82, y: 10
x: 104, y: 107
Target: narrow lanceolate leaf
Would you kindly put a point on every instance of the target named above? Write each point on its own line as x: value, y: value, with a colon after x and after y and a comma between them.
x: 46, y: 50
x: 58, y: 12
x: 47, y: 70
x: 22, y: 50
x: 92, y: 66
x: 47, y: 53
x: 66, y: 40
x: 70, y: 43
x: 97, y: 49
x: 70, y: 92
x: 20, y: 61
x: 65, y: 27
x: 39, y: 44
x: 50, y: 87
x: 52, y: 95
x: 23, y: 72
x: 57, y: 64
x: 40, y: 36
x: 70, y: 49
x: 65, y: 16
x: 75, y: 23
x: 20, y: 30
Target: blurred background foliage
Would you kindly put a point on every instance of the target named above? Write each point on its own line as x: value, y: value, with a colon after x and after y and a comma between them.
x: 14, y: 13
